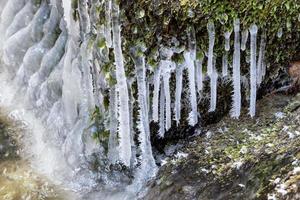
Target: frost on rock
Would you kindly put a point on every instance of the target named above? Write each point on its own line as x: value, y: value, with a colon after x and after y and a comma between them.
x: 178, y: 92
x: 253, y: 75
x: 245, y: 35
x: 261, y: 67
x: 193, y: 116
x: 124, y: 118
x: 236, y: 105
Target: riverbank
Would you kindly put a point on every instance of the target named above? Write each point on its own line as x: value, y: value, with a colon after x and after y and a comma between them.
x: 238, y: 159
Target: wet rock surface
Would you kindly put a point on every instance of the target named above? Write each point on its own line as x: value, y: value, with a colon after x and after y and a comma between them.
x: 248, y: 158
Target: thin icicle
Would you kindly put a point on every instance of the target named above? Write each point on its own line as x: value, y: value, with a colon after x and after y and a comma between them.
x: 192, y: 42
x: 227, y: 40
x: 124, y: 119
x: 225, y: 55
x: 236, y: 106
x: 193, y: 116
x: 166, y: 79
x: 264, y: 68
x: 211, y: 33
x: 161, y: 132
x: 178, y: 93
x: 253, y: 33
x: 261, y: 56
x: 213, y: 88
x: 199, y: 75
x: 108, y: 23
x: 211, y: 62
x: 225, y: 64
x: 155, y: 100
x: 245, y: 34
x: 113, y: 154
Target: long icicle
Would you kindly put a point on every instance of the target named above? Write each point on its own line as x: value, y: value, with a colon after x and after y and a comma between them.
x: 124, y: 119
x: 178, y: 92
x: 161, y: 132
x: 236, y: 106
x: 166, y: 80
x: 147, y: 159
x: 113, y: 153
x: 193, y: 116
x: 155, y: 101
x: 211, y: 68
x: 260, y: 62
x: 253, y: 34
x: 213, y: 87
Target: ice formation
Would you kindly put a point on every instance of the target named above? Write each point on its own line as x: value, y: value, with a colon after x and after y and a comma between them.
x: 261, y: 71
x: 236, y: 76
x: 253, y: 32
x: 57, y: 67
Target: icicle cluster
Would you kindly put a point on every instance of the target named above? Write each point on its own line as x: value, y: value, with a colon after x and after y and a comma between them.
x: 58, y: 66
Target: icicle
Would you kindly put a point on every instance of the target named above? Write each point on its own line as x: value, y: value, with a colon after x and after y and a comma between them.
x: 113, y: 154
x: 179, y: 71
x: 108, y: 23
x: 192, y: 42
x: 144, y: 136
x: 211, y: 33
x: 227, y: 40
x: 211, y: 62
x: 213, y: 87
x: 245, y: 34
x: 264, y: 69
x: 124, y: 119
x: 84, y: 18
x: 67, y: 5
x: 156, y: 93
x: 166, y: 79
x: 253, y: 33
x: 261, y: 56
x: 199, y: 75
x: 236, y: 106
x: 193, y: 116
x: 225, y: 55
x: 225, y: 64
x: 161, y: 132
